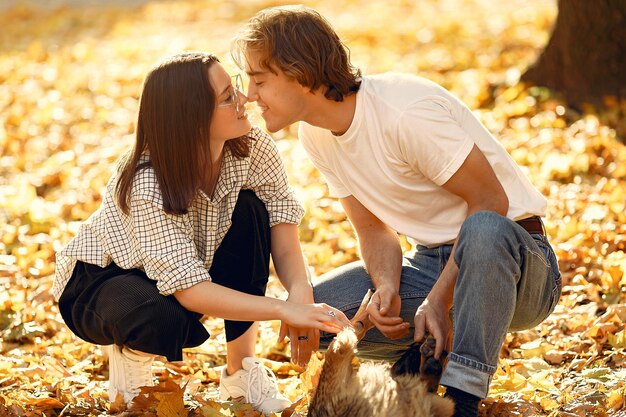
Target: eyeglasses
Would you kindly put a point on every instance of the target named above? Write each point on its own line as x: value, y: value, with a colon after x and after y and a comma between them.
x: 233, y: 98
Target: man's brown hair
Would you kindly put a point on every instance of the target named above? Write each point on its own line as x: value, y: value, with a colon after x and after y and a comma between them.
x: 175, y: 111
x: 302, y: 44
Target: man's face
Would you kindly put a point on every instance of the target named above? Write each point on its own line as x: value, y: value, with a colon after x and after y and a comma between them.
x: 281, y: 99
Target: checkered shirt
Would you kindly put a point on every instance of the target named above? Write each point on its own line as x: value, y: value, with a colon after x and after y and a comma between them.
x: 177, y: 250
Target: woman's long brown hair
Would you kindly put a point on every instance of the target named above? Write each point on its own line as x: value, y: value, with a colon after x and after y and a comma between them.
x: 175, y: 112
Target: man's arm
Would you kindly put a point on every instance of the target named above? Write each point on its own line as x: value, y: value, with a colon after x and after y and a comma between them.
x: 477, y: 184
x: 382, y: 254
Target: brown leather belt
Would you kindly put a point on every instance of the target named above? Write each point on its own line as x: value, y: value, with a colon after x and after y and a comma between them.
x: 533, y: 225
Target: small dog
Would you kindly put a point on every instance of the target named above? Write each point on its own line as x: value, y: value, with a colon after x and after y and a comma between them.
x: 377, y: 390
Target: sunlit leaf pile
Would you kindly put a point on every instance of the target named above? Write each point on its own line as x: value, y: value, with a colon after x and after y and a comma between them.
x: 69, y: 84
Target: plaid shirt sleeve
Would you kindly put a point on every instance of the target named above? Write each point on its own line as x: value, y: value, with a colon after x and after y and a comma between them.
x: 268, y: 179
x: 168, y: 253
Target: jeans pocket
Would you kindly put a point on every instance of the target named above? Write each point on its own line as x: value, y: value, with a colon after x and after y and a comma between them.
x: 554, y: 272
x: 538, y: 288
x: 558, y: 283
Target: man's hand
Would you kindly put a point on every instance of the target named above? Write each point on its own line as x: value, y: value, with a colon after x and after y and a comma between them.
x: 434, y: 319
x: 382, y: 255
x: 384, y: 311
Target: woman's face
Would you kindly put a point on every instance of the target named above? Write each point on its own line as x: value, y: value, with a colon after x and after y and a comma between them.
x: 227, y: 123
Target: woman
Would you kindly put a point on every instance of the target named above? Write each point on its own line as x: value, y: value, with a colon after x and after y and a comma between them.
x: 185, y: 229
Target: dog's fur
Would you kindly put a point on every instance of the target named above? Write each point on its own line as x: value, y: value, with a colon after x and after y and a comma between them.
x: 372, y: 389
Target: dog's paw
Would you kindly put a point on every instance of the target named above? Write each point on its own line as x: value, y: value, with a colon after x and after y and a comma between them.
x: 431, y: 368
x: 344, y: 342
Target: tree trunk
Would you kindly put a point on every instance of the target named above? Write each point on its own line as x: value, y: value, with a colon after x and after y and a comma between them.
x: 585, y: 58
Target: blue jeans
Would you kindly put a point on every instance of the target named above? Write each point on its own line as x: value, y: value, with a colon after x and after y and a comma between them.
x: 508, y: 280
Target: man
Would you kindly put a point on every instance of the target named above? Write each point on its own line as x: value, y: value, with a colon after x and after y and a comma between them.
x: 404, y: 155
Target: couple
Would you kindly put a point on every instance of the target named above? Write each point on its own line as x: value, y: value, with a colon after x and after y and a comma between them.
x: 195, y: 209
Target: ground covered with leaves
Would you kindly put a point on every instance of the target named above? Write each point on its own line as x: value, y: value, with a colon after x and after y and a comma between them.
x: 69, y: 84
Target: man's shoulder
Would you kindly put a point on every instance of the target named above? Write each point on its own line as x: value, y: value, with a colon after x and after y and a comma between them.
x: 398, y: 90
x: 399, y: 81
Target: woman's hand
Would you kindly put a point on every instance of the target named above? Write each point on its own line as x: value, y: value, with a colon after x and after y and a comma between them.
x: 303, y: 320
x: 320, y: 316
x: 304, y: 341
x: 305, y: 338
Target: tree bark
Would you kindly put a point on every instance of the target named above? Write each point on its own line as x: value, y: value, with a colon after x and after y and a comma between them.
x: 585, y: 59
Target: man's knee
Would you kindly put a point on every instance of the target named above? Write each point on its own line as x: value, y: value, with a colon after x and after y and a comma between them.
x: 485, y: 222
x: 487, y: 237
x: 484, y: 228
x: 343, y: 287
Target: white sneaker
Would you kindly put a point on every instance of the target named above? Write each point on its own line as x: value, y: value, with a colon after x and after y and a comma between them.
x: 129, y: 370
x: 256, y: 384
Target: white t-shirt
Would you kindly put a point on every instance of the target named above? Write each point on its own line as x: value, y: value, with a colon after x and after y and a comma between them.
x: 407, y: 138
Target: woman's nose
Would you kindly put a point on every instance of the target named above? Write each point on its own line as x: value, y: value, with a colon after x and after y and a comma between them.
x: 252, y: 95
x: 243, y: 99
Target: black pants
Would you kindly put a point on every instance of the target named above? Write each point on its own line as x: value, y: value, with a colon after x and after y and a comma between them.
x: 119, y: 306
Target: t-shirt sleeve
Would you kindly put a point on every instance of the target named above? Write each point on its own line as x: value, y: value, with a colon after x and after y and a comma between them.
x: 336, y: 187
x: 431, y: 140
